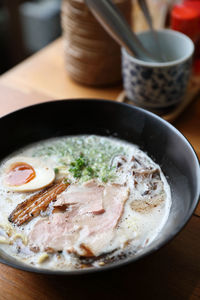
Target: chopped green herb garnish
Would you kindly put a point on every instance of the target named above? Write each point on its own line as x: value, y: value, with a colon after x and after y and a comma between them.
x: 84, y: 157
x: 104, y: 179
x: 56, y: 170
x: 78, y: 166
x: 66, y: 181
x: 90, y: 171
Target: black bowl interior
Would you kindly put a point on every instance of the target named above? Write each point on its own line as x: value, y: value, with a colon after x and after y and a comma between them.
x: 159, y: 139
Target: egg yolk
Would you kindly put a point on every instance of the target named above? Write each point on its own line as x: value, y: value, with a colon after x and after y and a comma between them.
x: 20, y: 173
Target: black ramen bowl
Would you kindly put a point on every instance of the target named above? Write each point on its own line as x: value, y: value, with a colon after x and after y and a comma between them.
x: 162, y: 142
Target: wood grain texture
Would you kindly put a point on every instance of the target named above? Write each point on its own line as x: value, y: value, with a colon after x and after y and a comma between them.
x: 172, y: 273
x: 45, y: 73
x: 12, y: 98
x: 189, y: 124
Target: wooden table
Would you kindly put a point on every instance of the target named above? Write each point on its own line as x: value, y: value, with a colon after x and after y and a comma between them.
x: 171, y: 273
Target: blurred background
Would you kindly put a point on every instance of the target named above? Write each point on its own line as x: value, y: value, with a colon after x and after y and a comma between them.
x: 26, y: 27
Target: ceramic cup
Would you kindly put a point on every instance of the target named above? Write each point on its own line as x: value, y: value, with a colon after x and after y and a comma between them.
x: 159, y: 84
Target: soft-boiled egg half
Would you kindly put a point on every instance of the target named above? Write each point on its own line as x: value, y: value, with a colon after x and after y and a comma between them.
x: 27, y: 174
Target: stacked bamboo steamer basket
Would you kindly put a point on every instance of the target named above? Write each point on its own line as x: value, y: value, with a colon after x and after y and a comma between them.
x: 92, y: 57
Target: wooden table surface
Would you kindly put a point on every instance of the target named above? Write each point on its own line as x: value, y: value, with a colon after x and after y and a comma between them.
x: 171, y: 273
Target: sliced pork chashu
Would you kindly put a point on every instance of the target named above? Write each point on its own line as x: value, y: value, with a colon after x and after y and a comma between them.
x: 88, y: 225
x: 88, y: 198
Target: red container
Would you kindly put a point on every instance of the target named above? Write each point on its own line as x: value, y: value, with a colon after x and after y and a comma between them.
x: 186, y: 20
x: 194, y: 4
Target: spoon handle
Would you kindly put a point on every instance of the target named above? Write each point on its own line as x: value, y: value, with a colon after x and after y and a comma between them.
x: 145, y: 10
x: 144, y: 7
x: 111, y: 19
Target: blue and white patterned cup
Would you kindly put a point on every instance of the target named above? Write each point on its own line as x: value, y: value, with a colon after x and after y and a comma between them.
x: 155, y: 84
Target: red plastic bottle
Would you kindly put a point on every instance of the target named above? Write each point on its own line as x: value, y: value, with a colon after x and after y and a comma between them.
x: 186, y: 19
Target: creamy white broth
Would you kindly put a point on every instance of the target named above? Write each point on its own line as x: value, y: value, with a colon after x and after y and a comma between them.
x: 109, y: 161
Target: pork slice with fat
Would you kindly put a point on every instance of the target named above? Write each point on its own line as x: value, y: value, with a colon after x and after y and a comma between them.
x: 101, y: 228
x: 88, y: 197
x: 56, y: 233
x: 79, y: 229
